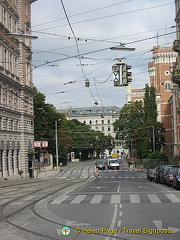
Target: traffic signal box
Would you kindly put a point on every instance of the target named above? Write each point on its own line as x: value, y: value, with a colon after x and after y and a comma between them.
x: 125, y: 74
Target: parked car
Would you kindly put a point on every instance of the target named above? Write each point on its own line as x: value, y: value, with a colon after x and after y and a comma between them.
x: 100, y: 164
x: 163, y: 173
x: 151, y: 174
x: 176, y: 179
x: 113, y: 164
x: 169, y: 176
x: 158, y: 172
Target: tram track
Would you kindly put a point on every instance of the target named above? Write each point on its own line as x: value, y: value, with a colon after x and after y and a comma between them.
x: 41, y: 195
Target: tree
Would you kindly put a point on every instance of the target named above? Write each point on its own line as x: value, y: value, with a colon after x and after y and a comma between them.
x: 73, y: 136
x: 136, y: 132
x: 150, y: 106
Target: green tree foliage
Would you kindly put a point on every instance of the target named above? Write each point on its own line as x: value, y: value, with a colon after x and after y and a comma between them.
x: 73, y: 136
x: 150, y: 106
x: 135, y: 126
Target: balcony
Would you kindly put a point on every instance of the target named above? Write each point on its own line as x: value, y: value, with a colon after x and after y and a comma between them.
x: 176, y: 46
x: 176, y: 76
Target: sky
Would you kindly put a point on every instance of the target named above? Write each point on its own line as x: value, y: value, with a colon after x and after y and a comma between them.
x: 74, y: 41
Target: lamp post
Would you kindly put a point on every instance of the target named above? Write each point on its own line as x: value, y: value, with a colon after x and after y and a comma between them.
x: 57, y: 159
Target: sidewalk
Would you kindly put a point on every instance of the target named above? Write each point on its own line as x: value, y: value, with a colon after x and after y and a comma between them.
x: 40, y: 176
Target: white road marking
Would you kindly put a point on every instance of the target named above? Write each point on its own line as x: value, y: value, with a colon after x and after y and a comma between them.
x: 96, y: 199
x: 134, y: 198
x: 60, y: 199
x: 154, y: 198
x: 115, y: 199
x: 78, y: 199
x: 158, y: 224
x: 119, y: 223
x: 173, y: 198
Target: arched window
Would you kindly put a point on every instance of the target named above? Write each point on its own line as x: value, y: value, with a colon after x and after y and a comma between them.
x: 168, y: 85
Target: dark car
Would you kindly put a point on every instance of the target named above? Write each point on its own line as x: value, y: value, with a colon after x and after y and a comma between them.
x: 176, y: 179
x: 151, y: 174
x: 169, y: 175
x: 158, y: 172
x: 164, y: 171
x: 100, y: 164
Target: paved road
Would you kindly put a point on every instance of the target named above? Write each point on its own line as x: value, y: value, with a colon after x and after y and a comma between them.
x: 118, y: 204
x: 122, y: 200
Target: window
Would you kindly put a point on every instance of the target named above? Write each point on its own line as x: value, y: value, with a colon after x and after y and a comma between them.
x: 90, y: 122
x: 26, y: 9
x: 109, y: 128
x: 15, y: 66
x: 96, y: 122
x: 102, y: 129
x: 1, y: 156
x: 10, y: 23
x: 15, y: 26
x: 5, y: 59
x: 168, y: 85
x: 5, y: 13
x: 102, y: 121
x: 108, y: 121
x: 0, y: 55
x: 11, y: 63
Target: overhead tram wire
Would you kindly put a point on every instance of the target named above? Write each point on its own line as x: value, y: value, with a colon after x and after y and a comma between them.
x: 95, y: 51
x: 107, y: 40
x: 112, y: 15
x: 78, y: 14
x: 79, y: 56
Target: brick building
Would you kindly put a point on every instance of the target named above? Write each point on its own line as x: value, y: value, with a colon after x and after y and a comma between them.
x: 160, y: 77
x: 16, y: 88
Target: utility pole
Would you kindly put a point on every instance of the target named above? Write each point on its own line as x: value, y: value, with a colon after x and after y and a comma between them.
x: 56, y: 145
x: 154, y: 148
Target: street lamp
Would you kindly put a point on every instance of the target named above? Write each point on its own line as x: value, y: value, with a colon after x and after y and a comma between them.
x: 57, y: 156
x: 122, y: 48
x: 19, y: 35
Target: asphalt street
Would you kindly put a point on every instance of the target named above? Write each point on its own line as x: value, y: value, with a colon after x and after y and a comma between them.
x: 120, y: 200
x: 116, y: 204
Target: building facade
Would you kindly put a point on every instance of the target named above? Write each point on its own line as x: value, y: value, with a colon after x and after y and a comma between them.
x: 16, y: 88
x: 98, y: 118
x: 160, y: 77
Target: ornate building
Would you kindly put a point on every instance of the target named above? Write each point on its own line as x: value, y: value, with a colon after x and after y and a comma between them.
x: 160, y: 78
x: 16, y: 88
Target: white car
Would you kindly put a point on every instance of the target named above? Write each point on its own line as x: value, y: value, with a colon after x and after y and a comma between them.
x: 113, y: 164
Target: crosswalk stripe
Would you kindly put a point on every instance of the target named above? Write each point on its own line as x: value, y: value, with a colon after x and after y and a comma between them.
x: 78, y: 199
x: 112, y: 199
x: 115, y: 199
x: 60, y: 199
x: 96, y: 199
x: 154, y: 198
x: 173, y: 198
x: 134, y: 198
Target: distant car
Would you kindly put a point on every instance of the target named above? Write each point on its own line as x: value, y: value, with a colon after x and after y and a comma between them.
x: 113, y: 164
x: 176, y: 179
x: 169, y: 176
x: 100, y: 164
x: 151, y: 174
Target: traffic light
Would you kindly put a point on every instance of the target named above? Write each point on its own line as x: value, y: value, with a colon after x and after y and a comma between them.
x: 126, y: 76
x: 116, y: 71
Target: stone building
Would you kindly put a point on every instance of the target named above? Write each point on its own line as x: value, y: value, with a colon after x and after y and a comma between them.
x: 98, y: 118
x: 16, y: 88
